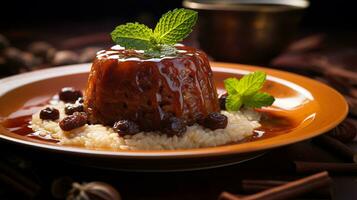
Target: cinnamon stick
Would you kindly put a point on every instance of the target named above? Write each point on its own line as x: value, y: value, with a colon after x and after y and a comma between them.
x: 286, y: 191
x: 346, y: 131
x: 252, y: 186
x: 353, y: 92
x: 352, y: 104
x: 258, y: 185
x: 338, y: 83
x: 337, y: 147
x: 18, y: 181
x: 308, y: 43
x: 308, y: 167
x: 297, y: 62
x: 229, y: 196
x: 333, y: 70
x: 314, y: 63
x: 17, y: 186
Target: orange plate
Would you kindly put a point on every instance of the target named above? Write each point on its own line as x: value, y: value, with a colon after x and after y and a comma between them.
x: 313, y: 106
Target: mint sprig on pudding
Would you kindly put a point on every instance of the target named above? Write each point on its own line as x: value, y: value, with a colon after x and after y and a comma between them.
x: 172, y: 27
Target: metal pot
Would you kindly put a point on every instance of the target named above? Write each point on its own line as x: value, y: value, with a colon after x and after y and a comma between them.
x: 246, y: 31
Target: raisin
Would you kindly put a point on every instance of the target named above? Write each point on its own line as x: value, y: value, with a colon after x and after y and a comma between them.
x: 222, y: 101
x: 71, y: 108
x: 49, y: 114
x: 80, y: 100
x: 69, y: 94
x: 126, y: 127
x: 215, y: 121
x: 173, y: 126
x: 71, y: 122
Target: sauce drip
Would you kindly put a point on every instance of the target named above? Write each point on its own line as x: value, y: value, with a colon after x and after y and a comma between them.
x: 123, y: 84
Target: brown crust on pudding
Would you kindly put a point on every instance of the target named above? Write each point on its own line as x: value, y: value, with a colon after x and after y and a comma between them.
x: 121, y: 87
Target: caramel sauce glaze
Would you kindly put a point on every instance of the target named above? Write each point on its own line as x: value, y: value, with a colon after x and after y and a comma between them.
x: 124, y: 84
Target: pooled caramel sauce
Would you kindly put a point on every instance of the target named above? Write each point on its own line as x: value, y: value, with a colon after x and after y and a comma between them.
x: 272, y: 124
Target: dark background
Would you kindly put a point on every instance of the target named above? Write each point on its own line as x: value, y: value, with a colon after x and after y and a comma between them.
x: 75, y: 25
x: 65, y: 22
x: 18, y: 15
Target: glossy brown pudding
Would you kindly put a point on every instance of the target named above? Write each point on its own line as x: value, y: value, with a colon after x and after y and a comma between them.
x: 126, y: 85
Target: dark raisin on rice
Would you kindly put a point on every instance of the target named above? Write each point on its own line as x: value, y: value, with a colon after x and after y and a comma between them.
x: 173, y: 126
x: 49, y: 114
x: 76, y: 120
x: 215, y: 121
x: 71, y: 108
x: 69, y: 94
x: 80, y: 100
x: 126, y: 127
x: 222, y: 101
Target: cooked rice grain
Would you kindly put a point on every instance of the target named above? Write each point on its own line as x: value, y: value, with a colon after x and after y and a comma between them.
x: 240, y: 125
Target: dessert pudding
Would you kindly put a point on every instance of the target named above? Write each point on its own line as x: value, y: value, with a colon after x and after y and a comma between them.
x: 125, y: 85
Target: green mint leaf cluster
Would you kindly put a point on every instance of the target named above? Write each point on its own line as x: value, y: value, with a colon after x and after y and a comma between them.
x: 133, y: 36
x: 245, y: 92
x: 172, y: 27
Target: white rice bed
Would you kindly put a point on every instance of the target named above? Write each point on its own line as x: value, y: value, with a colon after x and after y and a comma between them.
x: 241, y: 124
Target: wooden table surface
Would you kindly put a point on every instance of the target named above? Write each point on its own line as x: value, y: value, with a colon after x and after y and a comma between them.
x: 191, y: 185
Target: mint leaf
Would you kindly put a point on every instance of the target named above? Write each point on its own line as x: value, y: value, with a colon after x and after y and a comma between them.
x: 233, y: 102
x: 172, y: 27
x: 245, y: 92
x: 251, y: 83
x: 133, y: 36
x: 231, y: 84
x: 175, y: 25
x: 259, y: 100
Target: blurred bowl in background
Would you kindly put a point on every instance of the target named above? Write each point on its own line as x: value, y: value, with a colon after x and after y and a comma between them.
x: 246, y: 31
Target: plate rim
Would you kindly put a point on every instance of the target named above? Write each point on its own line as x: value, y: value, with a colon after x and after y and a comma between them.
x: 27, y: 78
